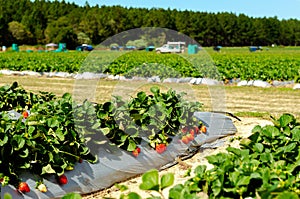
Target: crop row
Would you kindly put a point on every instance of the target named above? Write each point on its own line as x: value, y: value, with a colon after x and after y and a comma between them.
x: 48, y: 135
x: 265, y: 66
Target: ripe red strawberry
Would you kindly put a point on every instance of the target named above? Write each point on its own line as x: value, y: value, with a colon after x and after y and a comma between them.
x: 62, y: 179
x: 23, y: 187
x: 160, y: 148
x: 192, y: 131
x: 25, y: 114
x: 203, y: 129
x: 184, y: 129
x: 196, y: 129
x: 190, y: 137
x: 185, y: 139
x: 136, y: 152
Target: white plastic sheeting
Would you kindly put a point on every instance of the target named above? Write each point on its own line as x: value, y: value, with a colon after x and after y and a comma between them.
x: 191, y: 80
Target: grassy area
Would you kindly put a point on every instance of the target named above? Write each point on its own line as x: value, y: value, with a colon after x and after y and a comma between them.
x: 242, y: 101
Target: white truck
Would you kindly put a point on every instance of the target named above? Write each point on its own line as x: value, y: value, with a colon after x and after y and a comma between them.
x: 171, y: 47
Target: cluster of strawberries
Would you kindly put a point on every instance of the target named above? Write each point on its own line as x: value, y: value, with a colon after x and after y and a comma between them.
x: 160, y: 148
x: 188, y: 134
x: 24, y: 188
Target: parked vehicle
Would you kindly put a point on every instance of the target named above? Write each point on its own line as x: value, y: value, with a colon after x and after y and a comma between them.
x: 84, y: 47
x: 172, y: 47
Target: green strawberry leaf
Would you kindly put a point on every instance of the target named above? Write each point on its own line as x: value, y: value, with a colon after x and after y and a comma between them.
x: 287, y: 195
x: 133, y: 195
x: 286, y: 119
x: 47, y: 169
x: 72, y: 196
x: 150, y: 180
x: 166, y: 180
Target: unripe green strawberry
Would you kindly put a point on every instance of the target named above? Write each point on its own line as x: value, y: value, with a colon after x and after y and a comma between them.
x: 42, y: 187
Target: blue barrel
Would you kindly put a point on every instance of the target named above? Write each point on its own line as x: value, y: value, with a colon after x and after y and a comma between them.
x: 15, y: 47
x: 192, y: 49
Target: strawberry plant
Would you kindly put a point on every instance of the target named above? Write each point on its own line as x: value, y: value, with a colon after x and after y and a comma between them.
x: 46, y: 141
x: 154, y: 118
x: 152, y: 182
x: 265, y: 166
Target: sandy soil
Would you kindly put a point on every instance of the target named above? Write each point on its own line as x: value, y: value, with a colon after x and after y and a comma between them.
x: 244, y: 128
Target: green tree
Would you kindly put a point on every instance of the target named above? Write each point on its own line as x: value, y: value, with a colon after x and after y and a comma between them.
x: 83, y: 38
x: 19, y: 32
x: 60, y: 31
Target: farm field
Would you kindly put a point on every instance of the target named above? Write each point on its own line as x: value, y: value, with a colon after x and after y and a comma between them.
x: 252, y: 105
x: 281, y: 64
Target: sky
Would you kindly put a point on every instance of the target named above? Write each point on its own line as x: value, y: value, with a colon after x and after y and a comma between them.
x: 283, y: 9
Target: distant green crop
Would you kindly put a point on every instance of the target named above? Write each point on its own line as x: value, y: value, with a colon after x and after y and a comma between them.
x: 42, y: 62
x: 239, y: 63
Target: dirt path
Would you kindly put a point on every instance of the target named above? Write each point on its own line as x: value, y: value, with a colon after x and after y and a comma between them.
x: 244, y: 128
x: 273, y: 101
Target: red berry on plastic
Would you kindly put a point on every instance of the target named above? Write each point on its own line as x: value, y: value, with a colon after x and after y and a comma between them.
x: 62, y: 179
x: 23, y: 187
x: 190, y: 137
x: 185, y: 139
x: 136, y: 151
x: 160, y: 148
x: 203, y: 129
x: 192, y: 131
x: 196, y: 129
x: 184, y: 129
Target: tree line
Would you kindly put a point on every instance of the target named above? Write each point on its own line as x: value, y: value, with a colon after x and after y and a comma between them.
x: 42, y: 21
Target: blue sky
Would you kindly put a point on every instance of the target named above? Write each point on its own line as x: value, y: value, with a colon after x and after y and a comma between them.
x: 283, y: 9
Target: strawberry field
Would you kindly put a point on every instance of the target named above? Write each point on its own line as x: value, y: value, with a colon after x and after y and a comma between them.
x: 46, y: 139
x: 50, y: 135
x: 274, y: 64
